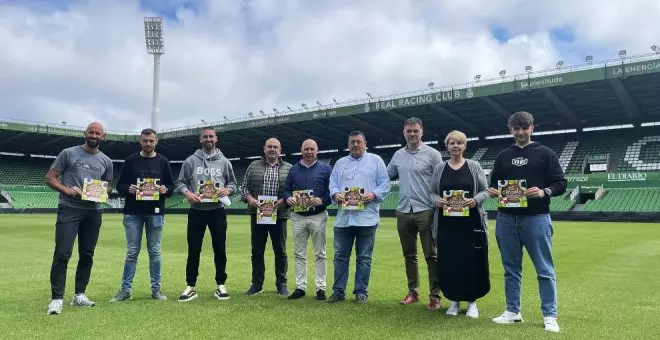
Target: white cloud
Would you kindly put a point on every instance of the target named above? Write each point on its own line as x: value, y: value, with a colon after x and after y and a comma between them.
x: 229, y: 58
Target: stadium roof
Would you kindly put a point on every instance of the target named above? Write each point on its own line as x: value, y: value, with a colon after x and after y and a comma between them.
x: 608, y: 93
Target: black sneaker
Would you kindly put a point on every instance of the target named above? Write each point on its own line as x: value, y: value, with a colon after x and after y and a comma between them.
x: 361, y: 298
x: 320, y: 295
x: 297, y: 294
x: 188, y: 294
x: 221, y: 293
x: 282, y: 289
x: 121, y: 296
x: 254, y: 289
x: 334, y: 298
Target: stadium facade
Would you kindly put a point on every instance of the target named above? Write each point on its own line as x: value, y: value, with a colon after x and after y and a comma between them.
x: 602, y: 120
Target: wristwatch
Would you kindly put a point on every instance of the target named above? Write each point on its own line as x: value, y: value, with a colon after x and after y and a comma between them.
x: 547, y: 192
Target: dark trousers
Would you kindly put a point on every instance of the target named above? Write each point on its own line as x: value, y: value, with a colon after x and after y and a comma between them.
x: 198, y: 220
x: 259, y: 237
x: 72, y: 222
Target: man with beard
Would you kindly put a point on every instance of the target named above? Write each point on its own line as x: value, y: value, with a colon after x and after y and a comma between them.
x: 77, y: 217
x: 144, y: 214
x: 207, y: 164
x: 266, y: 176
x: 309, y: 174
x: 414, y: 165
x: 529, y: 226
x: 367, y: 172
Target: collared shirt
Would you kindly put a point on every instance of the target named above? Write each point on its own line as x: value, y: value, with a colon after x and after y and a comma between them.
x: 367, y: 172
x: 271, y: 182
x: 308, y: 166
x: 414, y: 169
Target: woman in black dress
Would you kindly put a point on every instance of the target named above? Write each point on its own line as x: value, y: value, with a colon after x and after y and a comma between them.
x: 459, y: 188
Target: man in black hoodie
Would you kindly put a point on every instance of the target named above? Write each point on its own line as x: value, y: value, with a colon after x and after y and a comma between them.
x: 528, y: 174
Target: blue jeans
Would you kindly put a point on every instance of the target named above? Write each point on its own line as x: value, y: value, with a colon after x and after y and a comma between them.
x: 344, y: 238
x: 133, y: 226
x: 534, y: 232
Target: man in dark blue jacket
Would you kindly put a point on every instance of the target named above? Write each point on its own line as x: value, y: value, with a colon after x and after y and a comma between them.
x: 307, y: 191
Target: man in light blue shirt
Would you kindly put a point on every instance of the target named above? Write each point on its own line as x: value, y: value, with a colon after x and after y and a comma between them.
x: 366, y: 172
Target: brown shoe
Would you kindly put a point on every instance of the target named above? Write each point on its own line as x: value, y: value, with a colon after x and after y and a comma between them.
x: 412, y: 297
x: 434, y: 304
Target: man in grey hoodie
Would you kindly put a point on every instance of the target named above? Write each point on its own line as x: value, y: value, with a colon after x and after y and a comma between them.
x: 206, y: 171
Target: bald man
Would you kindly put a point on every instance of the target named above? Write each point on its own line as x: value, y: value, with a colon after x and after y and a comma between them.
x: 309, y: 175
x: 76, y: 216
x: 266, y: 177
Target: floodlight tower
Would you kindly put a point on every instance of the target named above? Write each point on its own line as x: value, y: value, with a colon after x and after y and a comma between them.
x: 153, y: 35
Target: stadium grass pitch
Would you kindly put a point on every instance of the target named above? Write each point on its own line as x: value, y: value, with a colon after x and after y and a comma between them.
x: 608, y: 283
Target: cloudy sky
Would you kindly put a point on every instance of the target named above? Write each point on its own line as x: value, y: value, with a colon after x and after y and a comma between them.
x: 83, y: 60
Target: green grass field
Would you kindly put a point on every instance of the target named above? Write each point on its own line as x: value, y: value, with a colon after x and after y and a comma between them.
x: 608, y: 284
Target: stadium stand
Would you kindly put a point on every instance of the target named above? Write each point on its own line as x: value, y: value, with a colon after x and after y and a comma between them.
x: 604, y: 144
x: 22, y: 177
x: 642, y: 155
x: 636, y: 200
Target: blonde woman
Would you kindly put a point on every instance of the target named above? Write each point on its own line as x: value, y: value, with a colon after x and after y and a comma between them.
x: 461, y: 240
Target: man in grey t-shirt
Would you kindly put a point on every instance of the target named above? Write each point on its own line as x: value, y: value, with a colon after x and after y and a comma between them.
x: 413, y: 165
x: 78, y: 214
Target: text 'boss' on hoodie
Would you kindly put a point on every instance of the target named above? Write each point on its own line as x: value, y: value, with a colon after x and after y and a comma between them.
x: 202, y: 167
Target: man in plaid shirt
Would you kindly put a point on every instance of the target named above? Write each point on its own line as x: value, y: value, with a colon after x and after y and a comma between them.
x: 267, y: 177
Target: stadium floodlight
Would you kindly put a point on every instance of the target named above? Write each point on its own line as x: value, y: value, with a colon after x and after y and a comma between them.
x: 528, y: 68
x: 225, y: 118
x: 203, y: 121
x: 431, y: 84
x: 250, y: 114
x: 290, y: 109
x: 655, y: 49
x: 560, y: 64
x: 477, y: 77
x: 275, y: 110
x: 262, y: 112
x: 155, y: 43
x: 369, y: 95
x: 303, y: 105
x: 622, y: 54
x: 319, y: 103
x: 503, y: 73
x: 335, y: 100
x: 589, y: 59
x: 63, y: 122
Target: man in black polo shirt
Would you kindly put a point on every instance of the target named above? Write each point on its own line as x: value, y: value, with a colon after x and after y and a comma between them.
x: 145, y: 181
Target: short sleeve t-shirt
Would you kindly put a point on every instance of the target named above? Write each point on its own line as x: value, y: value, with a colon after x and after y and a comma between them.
x: 75, y: 164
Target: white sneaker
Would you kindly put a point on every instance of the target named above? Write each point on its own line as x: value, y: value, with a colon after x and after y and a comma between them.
x: 508, y: 318
x: 550, y: 323
x: 472, y: 311
x: 188, y: 294
x: 82, y: 300
x: 221, y: 293
x: 55, y: 307
x: 453, y: 308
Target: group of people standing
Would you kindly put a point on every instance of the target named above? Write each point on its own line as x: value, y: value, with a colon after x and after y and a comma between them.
x: 453, y: 233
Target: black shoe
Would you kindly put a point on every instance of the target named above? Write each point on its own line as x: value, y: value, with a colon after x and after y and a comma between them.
x: 282, y: 289
x: 297, y: 294
x: 320, y: 295
x: 334, y: 298
x: 254, y: 289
